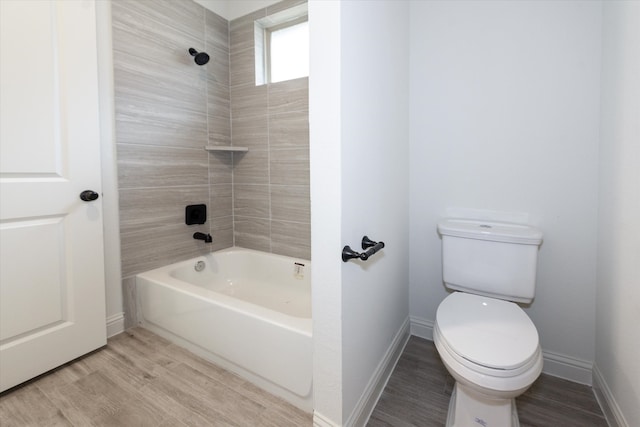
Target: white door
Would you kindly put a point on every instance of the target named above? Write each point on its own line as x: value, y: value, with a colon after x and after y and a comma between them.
x: 52, y: 302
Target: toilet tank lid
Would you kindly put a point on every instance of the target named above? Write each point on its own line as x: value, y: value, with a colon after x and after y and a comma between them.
x: 488, y: 230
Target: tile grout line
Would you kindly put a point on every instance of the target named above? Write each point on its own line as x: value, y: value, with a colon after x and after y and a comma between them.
x: 232, y: 155
x: 206, y: 104
x: 268, y: 158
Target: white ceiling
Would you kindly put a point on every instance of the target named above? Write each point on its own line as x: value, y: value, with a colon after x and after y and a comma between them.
x: 232, y: 9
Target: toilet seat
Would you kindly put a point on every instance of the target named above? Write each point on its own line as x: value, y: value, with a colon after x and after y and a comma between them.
x: 483, y: 373
x: 490, y: 336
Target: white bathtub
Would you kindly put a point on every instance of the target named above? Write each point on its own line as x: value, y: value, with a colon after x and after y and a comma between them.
x: 247, y: 311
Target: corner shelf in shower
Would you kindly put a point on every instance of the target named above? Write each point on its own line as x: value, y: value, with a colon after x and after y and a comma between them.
x: 226, y: 148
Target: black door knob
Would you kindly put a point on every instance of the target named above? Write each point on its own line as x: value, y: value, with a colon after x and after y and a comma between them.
x: 88, y: 195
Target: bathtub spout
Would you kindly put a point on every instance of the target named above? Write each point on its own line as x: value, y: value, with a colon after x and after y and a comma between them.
x: 201, y: 236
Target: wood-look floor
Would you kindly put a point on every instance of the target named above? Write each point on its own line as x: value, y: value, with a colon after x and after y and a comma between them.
x: 140, y: 379
x: 419, y: 389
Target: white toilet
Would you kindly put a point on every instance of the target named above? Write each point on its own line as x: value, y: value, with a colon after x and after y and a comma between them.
x: 486, y: 341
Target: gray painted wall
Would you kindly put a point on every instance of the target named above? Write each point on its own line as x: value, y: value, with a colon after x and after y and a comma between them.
x: 504, y: 117
x: 359, y: 94
x: 616, y: 370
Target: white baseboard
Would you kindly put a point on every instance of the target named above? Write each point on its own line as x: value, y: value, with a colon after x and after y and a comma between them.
x: 320, y: 420
x: 567, y: 367
x: 607, y: 402
x: 115, y: 324
x: 422, y: 328
x: 379, y: 379
x: 555, y: 364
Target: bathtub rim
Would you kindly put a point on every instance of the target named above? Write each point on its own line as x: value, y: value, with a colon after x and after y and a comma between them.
x: 161, y: 276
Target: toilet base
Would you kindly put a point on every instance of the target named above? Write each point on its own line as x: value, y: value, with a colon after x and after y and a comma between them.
x: 470, y: 409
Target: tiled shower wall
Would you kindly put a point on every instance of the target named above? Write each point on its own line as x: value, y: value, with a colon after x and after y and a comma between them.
x: 168, y: 109
x: 271, y: 181
x: 161, y: 128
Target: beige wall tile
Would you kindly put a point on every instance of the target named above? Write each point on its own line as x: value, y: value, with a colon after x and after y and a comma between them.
x: 149, y: 166
x: 220, y: 201
x: 220, y: 167
x: 147, y: 122
x: 252, y: 233
x: 129, y: 302
x: 290, y: 203
x: 216, y: 30
x: 290, y: 95
x: 251, y: 201
x: 218, y: 99
x: 289, y: 166
x: 284, y: 132
x: 218, y: 66
x: 251, y: 132
x: 168, y: 108
x: 156, y: 41
x: 184, y: 15
x: 289, y: 130
x: 161, y: 127
x: 291, y: 239
x: 251, y: 167
x: 156, y: 109
x: 140, y: 78
x: 154, y: 247
x: 248, y: 100
x: 243, y: 66
x: 147, y: 215
x: 241, y: 30
x: 222, y: 232
x: 141, y: 208
x: 219, y: 130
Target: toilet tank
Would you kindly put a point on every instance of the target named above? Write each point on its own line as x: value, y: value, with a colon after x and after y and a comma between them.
x: 498, y: 260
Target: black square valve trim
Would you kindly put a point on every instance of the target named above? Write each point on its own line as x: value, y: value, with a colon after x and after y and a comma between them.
x: 195, y: 214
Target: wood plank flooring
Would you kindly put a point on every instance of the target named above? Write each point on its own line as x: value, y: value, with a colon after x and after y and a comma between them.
x: 419, y: 389
x: 140, y: 379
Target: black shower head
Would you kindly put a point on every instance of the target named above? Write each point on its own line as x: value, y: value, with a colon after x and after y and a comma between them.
x: 201, y: 58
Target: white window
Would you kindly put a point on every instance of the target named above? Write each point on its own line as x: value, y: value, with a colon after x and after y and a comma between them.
x: 282, y: 46
x: 288, y: 51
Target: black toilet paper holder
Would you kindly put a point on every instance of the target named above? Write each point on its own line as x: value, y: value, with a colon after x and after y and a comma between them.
x: 369, y: 248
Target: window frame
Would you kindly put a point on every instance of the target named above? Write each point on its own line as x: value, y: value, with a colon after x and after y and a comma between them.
x: 262, y: 35
x: 268, y: 31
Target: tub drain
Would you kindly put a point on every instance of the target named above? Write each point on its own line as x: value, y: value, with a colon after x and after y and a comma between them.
x: 199, y: 266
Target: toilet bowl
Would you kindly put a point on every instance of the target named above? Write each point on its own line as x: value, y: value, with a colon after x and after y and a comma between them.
x: 491, y: 348
x: 485, y: 340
